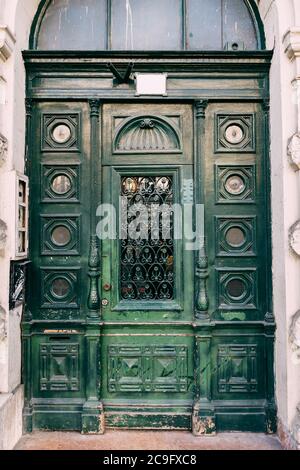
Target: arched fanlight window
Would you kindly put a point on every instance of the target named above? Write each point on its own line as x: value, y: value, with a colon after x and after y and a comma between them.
x: 172, y: 25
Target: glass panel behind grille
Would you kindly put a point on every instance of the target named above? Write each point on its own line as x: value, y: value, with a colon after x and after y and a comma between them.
x: 147, y: 245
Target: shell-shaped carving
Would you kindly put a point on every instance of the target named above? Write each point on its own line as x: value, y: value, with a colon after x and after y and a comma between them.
x: 147, y: 134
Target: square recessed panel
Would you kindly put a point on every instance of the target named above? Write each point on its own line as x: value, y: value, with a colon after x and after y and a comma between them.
x: 237, y: 288
x: 235, y: 133
x: 235, y: 236
x: 235, y: 184
x: 61, y: 132
x: 60, y: 367
x: 147, y: 368
x: 60, y: 235
x: 60, y: 288
x: 60, y: 183
x: 237, y: 370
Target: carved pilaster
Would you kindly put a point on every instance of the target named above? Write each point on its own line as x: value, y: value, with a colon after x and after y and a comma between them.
x: 29, y: 110
x: 7, y: 43
x: 201, y: 301
x: 203, y: 419
x: 294, y: 238
x: 94, y: 300
x: 201, y: 268
x: 294, y: 338
x: 269, y: 316
x: 201, y: 106
x: 94, y: 108
x: 93, y: 413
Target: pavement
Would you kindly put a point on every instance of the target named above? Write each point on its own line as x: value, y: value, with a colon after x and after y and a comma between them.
x: 147, y: 440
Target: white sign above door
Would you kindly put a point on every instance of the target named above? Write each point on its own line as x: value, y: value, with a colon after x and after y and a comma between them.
x: 151, y: 84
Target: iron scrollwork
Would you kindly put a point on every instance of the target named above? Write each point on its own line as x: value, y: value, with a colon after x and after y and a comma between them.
x: 147, y: 261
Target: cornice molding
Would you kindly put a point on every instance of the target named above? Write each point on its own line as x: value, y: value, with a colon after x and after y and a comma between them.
x: 7, y: 43
x: 291, y: 42
x: 170, y: 62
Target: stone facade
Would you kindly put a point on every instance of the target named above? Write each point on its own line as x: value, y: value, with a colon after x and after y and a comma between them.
x: 281, y: 19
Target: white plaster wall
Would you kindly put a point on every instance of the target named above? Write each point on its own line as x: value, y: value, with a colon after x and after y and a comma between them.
x: 18, y: 16
x: 278, y: 17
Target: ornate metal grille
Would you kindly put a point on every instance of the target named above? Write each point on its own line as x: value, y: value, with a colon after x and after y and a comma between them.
x: 147, y: 245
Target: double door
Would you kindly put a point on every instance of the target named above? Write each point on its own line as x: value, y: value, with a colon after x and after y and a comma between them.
x: 149, y: 280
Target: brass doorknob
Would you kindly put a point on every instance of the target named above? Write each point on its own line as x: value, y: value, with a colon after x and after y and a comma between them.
x: 107, y: 287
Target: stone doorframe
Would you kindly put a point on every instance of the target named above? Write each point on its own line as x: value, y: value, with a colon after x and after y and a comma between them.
x: 282, y: 27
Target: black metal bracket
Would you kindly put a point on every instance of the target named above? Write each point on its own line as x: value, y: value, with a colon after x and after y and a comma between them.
x: 18, y: 281
x: 119, y: 76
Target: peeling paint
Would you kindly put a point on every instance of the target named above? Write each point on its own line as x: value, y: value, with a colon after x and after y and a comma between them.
x: 204, y: 426
x: 230, y: 316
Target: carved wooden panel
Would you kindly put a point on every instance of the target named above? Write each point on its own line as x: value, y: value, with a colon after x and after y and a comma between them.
x: 59, y: 367
x: 147, y: 134
x: 237, y: 288
x: 60, y: 183
x: 147, y: 368
x: 60, y: 287
x: 235, y: 184
x: 237, y: 368
x: 235, y: 133
x: 235, y: 236
x: 60, y: 132
x: 60, y: 235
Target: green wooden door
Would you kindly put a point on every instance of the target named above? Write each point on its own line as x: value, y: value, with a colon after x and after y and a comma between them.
x: 132, y: 324
x: 147, y: 276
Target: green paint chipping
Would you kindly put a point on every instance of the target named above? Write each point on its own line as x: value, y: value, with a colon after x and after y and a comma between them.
x: 230, y: 316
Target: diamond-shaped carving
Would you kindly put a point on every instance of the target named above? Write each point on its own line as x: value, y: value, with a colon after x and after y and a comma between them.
x: 235, y: 184
x: 235, y: 236
x: 237, y: 288
x: 237, y: 369
x: 130, y: 367
x: 60, y: 183
x: 60, y: 235
x: 60, y: 288
x: 147, y: 369
x: 235, y: 133
x: 60, y: 132
x: 59, y: 367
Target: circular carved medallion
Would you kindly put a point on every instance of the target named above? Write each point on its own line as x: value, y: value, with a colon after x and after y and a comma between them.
x: 61, y: 236
x: 234, y: 134
x: 61, y: 184
x: 61, y: 133
x: 235, y: 185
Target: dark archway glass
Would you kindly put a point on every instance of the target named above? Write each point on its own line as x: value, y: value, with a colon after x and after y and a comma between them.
x: 172, y: 25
